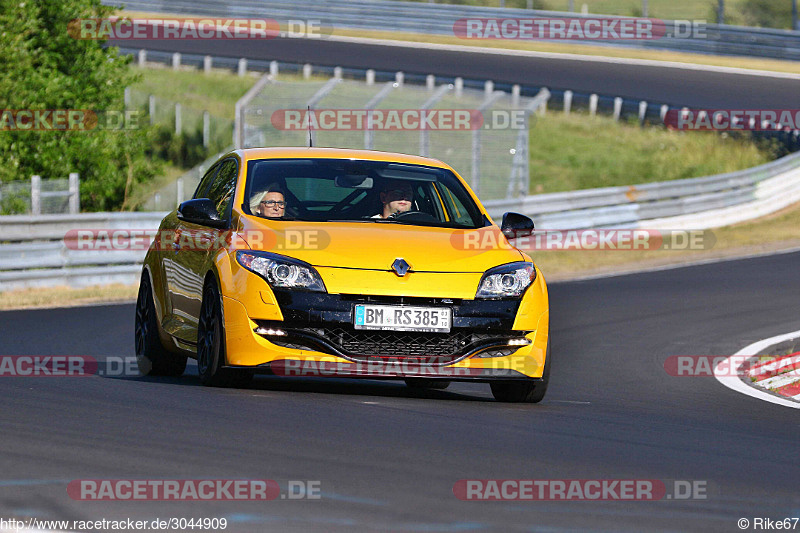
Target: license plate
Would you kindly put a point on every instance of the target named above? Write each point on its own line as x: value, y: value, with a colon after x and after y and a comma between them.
x: 403, y: 318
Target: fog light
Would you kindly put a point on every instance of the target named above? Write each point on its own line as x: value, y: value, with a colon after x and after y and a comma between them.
x: 519, y: 342
x: 271, y: 332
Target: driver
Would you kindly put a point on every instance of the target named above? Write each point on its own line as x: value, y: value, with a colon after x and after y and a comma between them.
x: 270, y: 203
x: 396, y: 197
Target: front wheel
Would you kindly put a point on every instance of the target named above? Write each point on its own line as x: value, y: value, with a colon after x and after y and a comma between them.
x: 211, y: 344
x: 151, y: 356
x: 528, y: 391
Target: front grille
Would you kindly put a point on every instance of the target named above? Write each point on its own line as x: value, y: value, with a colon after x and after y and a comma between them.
x: 398, y: 343
x: 399, y: 300
x: 369, y: 345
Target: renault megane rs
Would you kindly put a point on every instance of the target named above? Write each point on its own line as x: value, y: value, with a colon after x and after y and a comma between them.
x: 332, y: 262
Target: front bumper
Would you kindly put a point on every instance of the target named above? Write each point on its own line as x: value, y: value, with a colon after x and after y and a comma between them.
x: 321, y: 341
x: 322, y: 337
x: 324, y: 323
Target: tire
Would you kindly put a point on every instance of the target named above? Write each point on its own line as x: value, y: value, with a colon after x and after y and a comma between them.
x: 427, y: 384
x: 527, y: 391
x: 211, y: 344
x: 151, y: 356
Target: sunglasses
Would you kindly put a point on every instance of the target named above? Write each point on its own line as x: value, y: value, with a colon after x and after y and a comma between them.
x: 273, y: 203
x: 401, y: 194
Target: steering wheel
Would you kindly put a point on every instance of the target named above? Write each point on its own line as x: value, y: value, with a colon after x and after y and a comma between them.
x: 414, y: 216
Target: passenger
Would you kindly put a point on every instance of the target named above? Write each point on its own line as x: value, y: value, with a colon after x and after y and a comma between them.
x: 270, y: 204
x: 396, y: 197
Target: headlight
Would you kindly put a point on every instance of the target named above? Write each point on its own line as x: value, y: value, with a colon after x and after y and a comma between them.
x: 281, y: 272
x: 506, y: 281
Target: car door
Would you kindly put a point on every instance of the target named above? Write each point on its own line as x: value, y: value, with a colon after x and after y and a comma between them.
x: 194, y: 248
x: 170, y: 249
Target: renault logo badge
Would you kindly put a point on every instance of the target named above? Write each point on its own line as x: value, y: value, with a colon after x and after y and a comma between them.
x: 400, y: 266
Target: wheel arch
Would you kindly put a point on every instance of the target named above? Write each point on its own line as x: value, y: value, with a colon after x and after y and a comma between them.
x: 159, y: 302
x: 156, y: 279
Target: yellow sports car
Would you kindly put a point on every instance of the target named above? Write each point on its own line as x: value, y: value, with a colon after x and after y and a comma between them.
x: 332, y: 262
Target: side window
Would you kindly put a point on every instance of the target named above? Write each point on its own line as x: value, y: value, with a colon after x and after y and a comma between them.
x: 221, y: 191
x: 202, y: 187
x: 458, y: 213
x: 426, y: 201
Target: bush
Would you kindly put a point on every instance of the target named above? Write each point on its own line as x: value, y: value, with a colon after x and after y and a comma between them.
x: 185, y: 150
x: 767, y: 13
x: 46, y: 68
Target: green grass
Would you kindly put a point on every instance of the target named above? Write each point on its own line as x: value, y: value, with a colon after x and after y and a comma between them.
x: 140, y: 193
x: 762, y: 13
x: 567, y: 152
x: 216, y: 92
x: 767, y: 234
x: 582, y: 152
x: 66, y: 297
x: 664, y: 9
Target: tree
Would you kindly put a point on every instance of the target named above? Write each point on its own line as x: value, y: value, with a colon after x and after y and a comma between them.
x: 768, y: 13
x: 42, y: 67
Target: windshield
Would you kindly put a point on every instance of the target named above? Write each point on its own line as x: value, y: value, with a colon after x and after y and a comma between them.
x: 322, y: 190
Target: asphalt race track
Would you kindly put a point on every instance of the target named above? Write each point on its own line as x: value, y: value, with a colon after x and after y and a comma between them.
x: 387, y: 458
x: 658, y: 85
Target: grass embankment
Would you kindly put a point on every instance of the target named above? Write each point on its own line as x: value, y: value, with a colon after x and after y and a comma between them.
x: 740, y: 12
x: 581, y: 152
x: 663, y: 9
x: 567, y: 152
x: 64, y: 296
x: 216, y: 92
x: 774, y: 232
x: 771, y: 233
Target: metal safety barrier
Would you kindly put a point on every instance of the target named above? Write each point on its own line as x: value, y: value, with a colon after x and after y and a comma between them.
x: 34, y: 252
x: 419, y: 17
x: 696, y: 203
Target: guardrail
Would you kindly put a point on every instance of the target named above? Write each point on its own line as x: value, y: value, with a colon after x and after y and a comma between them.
x: 35, y: 253
x: 696, y: 203
x: 419, y: 17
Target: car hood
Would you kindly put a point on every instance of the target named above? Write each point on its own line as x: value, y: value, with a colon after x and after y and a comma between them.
x: 375, y: 245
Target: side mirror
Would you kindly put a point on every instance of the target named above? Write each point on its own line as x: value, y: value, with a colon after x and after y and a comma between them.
x: 201, y: 211
x: 516, y: 225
